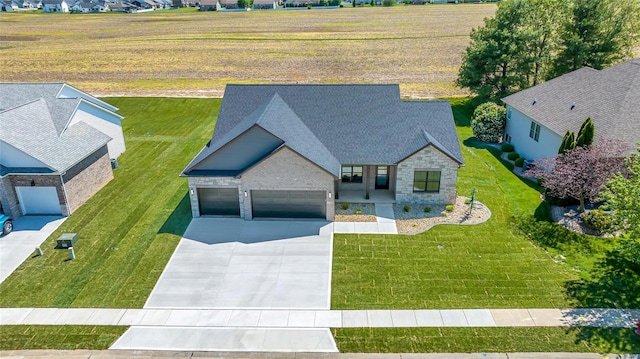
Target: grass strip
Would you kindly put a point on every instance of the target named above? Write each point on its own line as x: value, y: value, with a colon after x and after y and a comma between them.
x: 486, y: 340
x: 63, y: 337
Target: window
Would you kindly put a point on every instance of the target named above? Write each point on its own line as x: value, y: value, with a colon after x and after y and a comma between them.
x: 507, y: 138
x: 534, y: 132
x: 426, y: 181
x: 352, y: 174
x: 508, y: 112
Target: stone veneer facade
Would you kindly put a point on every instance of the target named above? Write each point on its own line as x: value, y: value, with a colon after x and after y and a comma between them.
x: 283, y: 170
x: 427, y: 159
x: 212, y: 182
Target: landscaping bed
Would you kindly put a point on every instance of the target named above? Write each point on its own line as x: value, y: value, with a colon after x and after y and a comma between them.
x: 417, y: 219
x: 367, y: 212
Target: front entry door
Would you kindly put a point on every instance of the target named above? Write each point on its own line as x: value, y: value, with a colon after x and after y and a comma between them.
x: 382, y: 177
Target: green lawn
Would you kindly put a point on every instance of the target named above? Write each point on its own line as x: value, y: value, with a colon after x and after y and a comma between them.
x: 59, y: 337
x: 486, y: 340
x: 488, y: 265
x: 129, y: 229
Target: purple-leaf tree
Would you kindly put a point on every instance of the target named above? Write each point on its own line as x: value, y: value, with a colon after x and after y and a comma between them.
x: 580, y: 173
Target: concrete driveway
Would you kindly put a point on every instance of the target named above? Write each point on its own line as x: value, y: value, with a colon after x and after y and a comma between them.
x: 28, y: 233
x: 232, y: 263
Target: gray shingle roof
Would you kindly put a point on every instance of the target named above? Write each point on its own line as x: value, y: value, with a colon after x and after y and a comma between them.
x: 611, y: 97
x: 31, y: 129
x: 353, y: 124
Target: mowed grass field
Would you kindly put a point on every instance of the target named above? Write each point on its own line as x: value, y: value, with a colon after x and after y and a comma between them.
x: 488, y: 265
x: 190, y: 53
x: 129, y: 229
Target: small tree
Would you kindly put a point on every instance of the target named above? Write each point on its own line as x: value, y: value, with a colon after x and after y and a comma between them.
x: 242, y: 4
x: 621, y: 194
x: 580, y: 173
x: 568, y: 142
x: 488, y: 122
x: 586, y: 133
x: 585, y: 137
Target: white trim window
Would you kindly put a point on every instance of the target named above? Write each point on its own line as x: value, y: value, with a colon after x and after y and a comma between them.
x: 509, y: 110
x: 534, y: 131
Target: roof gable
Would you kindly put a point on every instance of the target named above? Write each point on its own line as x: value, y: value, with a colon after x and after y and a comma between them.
x: 357, y: 124
x: 31, y: 129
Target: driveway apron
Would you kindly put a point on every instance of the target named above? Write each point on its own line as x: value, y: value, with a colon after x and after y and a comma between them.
x: 28, y: 233
x: 232, y: 263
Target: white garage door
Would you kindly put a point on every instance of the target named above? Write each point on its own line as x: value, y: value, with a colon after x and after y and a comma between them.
x: 38, y: 200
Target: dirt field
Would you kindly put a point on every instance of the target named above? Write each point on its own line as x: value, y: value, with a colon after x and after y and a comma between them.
x: 187, y: 53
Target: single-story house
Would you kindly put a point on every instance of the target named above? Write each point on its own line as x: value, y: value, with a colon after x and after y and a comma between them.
x: 265, y: 4
x: 293, y: 150
x: 229, y: 4
x: 55, y: 6
x: 538, y: 117
x: 209, y: 5
x: 57, y: 147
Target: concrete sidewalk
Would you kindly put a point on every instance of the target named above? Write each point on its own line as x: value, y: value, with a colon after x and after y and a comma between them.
x: 241, y: 318
x: 385, y: 222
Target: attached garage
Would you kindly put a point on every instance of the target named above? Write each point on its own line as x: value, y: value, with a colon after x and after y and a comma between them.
x: 218, y: 202
x: 38, y: 200
x: 288, y: 204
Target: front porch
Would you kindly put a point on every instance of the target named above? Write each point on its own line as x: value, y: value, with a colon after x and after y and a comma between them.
x: 376, y: 196
x: 366, y: 184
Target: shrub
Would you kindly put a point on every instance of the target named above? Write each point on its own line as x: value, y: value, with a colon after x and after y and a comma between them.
x: 599, y: 220
x: 467, y: 201
x: 519, y: 162
x: 513, y: 156
x: 507, y: 147
x: 488, y: 122
x: 427, y: 209
x: 406, y: 208
x: 449, y: 208
x: 345, y: 206
x: 357, y: 211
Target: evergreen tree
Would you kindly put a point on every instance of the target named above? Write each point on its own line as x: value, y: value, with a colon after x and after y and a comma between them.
x: 568, y: 142
x: 586, y: 133
x: 597, y: 34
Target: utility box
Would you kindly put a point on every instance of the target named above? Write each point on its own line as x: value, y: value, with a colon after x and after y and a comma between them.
x: 67, y: 240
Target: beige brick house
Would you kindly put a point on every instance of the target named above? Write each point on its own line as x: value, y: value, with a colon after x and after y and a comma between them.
x: 57, y: 145
x: 293, y: 151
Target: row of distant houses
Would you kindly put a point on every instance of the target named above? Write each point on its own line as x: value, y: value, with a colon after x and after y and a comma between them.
x: 85, y: 6
x: 216, y: 5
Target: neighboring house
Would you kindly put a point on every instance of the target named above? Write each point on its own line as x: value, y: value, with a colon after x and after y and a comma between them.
x: 122, y: 7
x: 209, y: 5
x: 55, y: 6
x: 229, y: 4
x: 292, y: 150
x: 538, y: 117
x: 7, y: 6
x: 83, y: 6
x: 265, y: 4
x: 57, y: 147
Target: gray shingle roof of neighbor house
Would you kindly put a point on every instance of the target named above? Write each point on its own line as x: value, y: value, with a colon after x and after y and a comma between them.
x: 61, y: 108
x: 611, y: 97
x: 31, y: 129
x: 337, y: 124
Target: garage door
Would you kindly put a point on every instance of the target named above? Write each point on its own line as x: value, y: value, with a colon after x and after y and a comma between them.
x: 218, y: 201
x: 288, y: 204
x: 38, y: 200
